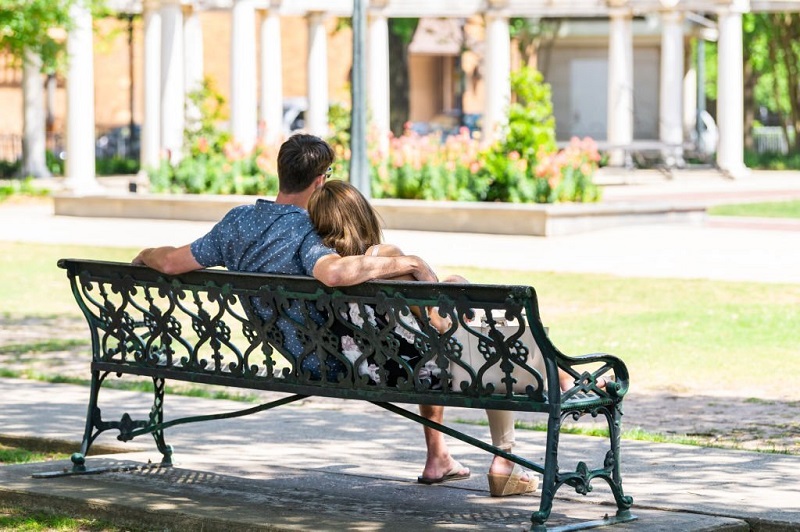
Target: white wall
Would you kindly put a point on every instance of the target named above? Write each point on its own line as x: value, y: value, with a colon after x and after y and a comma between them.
x: 578, y: 75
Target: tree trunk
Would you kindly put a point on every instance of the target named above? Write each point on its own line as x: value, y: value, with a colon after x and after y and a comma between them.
x: 790, y: 34
x: 749, y: 102
x: 399, y: 81
x: 772, y: 50
x: 34, y: 136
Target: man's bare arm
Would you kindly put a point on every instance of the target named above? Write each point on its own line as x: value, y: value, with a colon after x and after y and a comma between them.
x: 168, y: 260
x: 334, y: 270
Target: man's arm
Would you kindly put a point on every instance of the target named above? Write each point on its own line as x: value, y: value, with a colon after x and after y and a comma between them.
x: 334, y: 270
x: 168, y: 260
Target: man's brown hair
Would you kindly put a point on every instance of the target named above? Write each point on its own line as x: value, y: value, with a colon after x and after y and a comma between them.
x: 301, y: 159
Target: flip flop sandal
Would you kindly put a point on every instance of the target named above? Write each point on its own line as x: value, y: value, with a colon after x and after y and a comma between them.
x: 451, y: 476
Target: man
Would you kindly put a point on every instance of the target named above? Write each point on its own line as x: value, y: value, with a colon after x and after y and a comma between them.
x: 278, y: 237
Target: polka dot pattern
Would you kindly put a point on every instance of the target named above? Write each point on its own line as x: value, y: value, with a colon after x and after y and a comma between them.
x: 266, y: 238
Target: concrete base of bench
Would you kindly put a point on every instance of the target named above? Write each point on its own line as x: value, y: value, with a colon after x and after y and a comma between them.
x: 446, y: 216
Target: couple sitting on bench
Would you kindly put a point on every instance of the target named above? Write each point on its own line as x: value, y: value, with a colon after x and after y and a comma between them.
x: 339, y: 245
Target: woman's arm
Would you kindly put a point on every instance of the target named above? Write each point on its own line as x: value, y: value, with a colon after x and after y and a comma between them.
x: 390, y: 250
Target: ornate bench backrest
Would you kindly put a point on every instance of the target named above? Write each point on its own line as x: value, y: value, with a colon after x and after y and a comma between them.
x: 275, y: 332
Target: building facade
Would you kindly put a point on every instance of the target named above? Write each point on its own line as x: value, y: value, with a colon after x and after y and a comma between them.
x: 619, y: 69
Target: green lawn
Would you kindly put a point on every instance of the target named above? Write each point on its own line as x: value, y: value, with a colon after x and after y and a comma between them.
x: 777, y: 209
x: 692, y: 336
x: 32, y: 285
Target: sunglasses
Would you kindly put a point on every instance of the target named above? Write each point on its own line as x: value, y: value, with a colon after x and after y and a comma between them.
x: 328, y: 172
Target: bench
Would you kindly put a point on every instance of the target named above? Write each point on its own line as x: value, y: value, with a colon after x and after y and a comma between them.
x: 225, y: 328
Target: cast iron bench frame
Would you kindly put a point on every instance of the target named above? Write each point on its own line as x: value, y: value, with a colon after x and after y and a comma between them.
x: 133, y: 315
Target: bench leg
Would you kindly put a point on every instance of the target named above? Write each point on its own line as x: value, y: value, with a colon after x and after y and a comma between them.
x: 614, y: 433
x: 157, y: 418
x: 549, y: 485
x: 93, y: 419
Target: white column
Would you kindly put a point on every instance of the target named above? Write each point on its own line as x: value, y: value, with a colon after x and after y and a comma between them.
x: 730, y: 95
x: 271, y: 109
x: 193, y: 50
x: 378, y: 77
x: 151, y: 122
x: 34, y: 135
x: 497, y: 66
x: 243, y: 73
x: 671, y: 94
x: 173, y: 95
x: 317, y: 113
x: 620, y: 84
x: 192, y: 64
x: 80, y: 171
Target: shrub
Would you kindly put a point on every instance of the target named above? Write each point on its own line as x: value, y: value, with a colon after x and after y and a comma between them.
x: 530, y: 134
x: 524, y: 166
x: 116, y: 165
x: 212, y: 162
x: 566, y: 175
x: 9, y: 168
x: 21, y: 187
x: 427, y: 167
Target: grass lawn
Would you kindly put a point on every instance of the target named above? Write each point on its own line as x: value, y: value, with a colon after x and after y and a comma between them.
x: 683, y: 336
x: 18, y: 519
x: 777, y: 209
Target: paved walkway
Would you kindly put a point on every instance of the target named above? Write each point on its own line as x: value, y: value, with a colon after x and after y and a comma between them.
x: 279, y: 473
x: 334, y: 465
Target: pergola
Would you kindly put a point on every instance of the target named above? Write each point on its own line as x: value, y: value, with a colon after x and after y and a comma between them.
x: 173, y: 65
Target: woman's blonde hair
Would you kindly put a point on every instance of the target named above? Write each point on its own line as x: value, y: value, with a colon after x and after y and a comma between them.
x: 344, y: 218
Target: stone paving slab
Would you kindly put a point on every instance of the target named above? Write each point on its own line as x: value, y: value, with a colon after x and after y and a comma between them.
x: 359, y: 440
x: 288, y: 498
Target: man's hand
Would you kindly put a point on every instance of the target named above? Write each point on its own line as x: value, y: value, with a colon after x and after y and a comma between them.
x: 168, y: 260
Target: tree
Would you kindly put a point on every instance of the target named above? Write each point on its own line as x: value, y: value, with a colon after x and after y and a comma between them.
x: 535, y: 39
x: 772, y: 56
x: 33, y: 33
x: 401, y: 31
x: 29, y: 34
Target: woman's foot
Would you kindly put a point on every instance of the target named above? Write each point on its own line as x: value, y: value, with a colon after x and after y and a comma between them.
x: 446, y: 469
x: 501, y: 466
x: 507, y: 478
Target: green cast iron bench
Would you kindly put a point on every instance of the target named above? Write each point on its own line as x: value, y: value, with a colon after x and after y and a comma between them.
x: 225, y: 328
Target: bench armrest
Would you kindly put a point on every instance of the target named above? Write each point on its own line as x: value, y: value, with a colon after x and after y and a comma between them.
x: 606, y: 376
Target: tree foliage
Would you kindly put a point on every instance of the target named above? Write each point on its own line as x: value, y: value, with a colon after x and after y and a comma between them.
x: 39, y: 27
x: 31, y: 26
x: 772, y: 51
x: 534, y: 38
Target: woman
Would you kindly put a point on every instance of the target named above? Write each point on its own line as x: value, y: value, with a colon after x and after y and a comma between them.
x: 347, y: 222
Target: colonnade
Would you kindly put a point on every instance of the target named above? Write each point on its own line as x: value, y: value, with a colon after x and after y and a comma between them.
x: 173, y: 52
